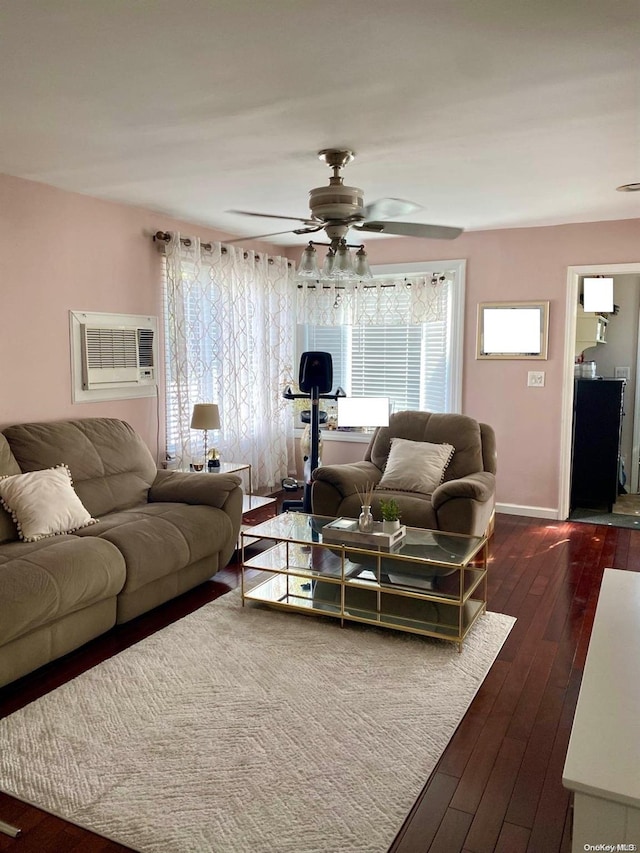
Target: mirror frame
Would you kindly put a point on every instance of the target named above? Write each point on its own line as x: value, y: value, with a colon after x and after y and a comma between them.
x: 539, y: 326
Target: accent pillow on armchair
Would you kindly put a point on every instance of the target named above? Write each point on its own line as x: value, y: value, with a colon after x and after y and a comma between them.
x: 415, y: 466
x: 440, y: 468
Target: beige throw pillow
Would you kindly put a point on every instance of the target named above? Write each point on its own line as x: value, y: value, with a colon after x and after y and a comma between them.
x: 415, y: 466
x: 43, y: 503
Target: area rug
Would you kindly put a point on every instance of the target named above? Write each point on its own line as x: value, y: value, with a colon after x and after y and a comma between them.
x: 248, y: 730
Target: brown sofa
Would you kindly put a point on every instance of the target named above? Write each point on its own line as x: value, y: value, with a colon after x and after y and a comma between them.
x: 159, y: 533
x: 463, y: 503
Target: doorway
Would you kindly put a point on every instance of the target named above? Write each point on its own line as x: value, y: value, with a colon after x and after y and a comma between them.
x: 574, y: 274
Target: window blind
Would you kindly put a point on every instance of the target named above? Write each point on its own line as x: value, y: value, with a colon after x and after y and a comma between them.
x: 409, y: 364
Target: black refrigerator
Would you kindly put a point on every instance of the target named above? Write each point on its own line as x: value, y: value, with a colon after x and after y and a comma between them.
x: 598, y: 410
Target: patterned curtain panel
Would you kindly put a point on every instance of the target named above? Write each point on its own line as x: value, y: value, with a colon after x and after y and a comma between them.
x: 383, y: 302
x: 229, y: 326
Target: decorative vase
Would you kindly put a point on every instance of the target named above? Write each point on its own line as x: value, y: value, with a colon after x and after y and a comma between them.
x: 391, y: 526
x: 365, y: 520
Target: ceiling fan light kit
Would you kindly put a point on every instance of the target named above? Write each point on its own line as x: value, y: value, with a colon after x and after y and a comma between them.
x: 336, y: 209
x: 338, y: 264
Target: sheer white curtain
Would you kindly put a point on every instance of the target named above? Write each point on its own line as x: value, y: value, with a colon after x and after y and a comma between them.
x: 399, y: 301
x: 229, y: 325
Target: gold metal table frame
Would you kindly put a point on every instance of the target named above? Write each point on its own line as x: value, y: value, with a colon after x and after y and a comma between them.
x: 432, y: 583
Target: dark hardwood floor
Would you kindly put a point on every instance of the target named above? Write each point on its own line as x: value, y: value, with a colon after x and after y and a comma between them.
x: 497, y: 787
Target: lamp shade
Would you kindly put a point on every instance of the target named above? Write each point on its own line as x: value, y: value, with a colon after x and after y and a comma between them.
x: 205, y: 416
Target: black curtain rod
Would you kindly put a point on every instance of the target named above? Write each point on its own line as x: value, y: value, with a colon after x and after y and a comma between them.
x: 165, y: 237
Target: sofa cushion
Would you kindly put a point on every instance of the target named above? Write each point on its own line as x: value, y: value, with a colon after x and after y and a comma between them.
x: 415, y: 466
x: 111, y: 466
x: 43, y: 503
x: 161, y: 538
x: 46, y: 580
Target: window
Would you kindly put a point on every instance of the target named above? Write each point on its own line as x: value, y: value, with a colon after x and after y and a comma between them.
x: 417, y: 366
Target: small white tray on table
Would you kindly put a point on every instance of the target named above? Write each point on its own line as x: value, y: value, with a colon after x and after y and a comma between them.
x: 344, y: 531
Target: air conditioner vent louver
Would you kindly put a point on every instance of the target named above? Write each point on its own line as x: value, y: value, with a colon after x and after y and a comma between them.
x: 145, y: 347
x: 116, y: 357
x: 111, y: 348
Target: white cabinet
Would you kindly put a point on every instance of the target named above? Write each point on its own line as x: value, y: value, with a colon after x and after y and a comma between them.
x: 591, y: 329
x: 603, y: 759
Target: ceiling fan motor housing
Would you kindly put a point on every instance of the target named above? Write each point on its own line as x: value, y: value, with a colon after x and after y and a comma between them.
x: 336, y: 202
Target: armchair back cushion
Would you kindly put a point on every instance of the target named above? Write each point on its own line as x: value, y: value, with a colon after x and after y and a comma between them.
x: 111, y: 466
x: 463, y: 432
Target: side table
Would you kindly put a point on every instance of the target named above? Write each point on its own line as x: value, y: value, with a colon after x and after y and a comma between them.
x: 235, y: 468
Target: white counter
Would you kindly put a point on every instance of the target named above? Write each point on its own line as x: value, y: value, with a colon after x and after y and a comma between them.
x: 603, y: 759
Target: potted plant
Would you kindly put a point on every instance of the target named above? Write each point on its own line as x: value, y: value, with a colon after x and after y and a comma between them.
x: 390, y: 515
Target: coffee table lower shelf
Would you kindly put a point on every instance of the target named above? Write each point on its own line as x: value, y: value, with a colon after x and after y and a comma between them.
x: 384, y: 607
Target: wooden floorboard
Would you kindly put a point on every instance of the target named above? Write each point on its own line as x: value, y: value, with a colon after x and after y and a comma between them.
x: 498, y: 786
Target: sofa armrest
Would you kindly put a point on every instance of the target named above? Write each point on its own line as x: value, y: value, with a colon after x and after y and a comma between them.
x: 187, y: 488
x: 349, y: 477
x: 478, y: 487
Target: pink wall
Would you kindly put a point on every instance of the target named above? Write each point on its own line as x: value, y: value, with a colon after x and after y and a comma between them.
x: 519, y: 264
x: 62, y: 251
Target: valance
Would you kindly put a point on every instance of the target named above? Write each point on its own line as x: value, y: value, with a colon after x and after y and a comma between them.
x: 406, y: 301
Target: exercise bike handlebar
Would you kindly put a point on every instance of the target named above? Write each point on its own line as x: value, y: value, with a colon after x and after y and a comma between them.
x: 289, y: 395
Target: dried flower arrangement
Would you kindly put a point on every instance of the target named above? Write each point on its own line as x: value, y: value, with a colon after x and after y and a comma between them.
x: 367, y: 495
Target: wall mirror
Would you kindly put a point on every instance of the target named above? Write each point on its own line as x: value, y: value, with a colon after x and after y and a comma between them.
x: 513, y: 330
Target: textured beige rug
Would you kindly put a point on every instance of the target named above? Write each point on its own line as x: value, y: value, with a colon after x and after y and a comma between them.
x: 246, y: 729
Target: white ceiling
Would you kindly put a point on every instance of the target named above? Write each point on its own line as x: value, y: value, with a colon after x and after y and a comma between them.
x: 488, y: 113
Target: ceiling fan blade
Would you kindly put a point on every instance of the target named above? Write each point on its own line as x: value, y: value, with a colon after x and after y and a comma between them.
x: 411, y: 229
x: 257, y: 236
x: 387, y: 208
x: 274, y: 234
x: 272, y: 216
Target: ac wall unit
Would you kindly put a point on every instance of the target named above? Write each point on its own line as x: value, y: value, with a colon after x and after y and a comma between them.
x: 116, y: 356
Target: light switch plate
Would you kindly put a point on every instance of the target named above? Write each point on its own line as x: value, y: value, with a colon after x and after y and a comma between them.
x: 535, y: 379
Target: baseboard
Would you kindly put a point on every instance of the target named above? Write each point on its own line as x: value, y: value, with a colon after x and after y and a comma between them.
x: 530, y: 511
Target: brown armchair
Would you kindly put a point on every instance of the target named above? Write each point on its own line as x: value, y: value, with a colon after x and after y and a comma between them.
x: 464, y: 502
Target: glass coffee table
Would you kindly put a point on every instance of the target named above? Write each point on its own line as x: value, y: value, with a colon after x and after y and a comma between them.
x: 431, y: 583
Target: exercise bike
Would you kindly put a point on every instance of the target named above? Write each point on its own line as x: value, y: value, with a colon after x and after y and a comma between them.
x: 315, y: 380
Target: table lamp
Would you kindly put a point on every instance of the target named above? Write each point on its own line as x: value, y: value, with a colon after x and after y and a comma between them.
x: 205, y: 417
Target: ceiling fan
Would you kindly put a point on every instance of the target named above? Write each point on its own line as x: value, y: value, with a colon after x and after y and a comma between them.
x: 337, y: 208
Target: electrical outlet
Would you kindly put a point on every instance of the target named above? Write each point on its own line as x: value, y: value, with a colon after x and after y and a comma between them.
x: 535, y: 379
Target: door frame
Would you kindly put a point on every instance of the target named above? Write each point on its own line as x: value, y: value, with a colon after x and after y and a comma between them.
x: 566, y: 425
